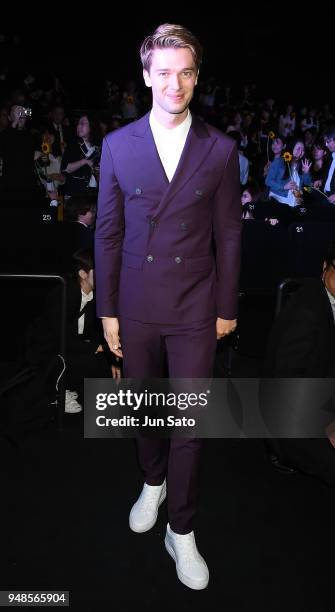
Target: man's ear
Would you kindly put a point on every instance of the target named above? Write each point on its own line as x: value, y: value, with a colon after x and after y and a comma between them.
x: 82, y: 274
x: 196, y: 78
x: 146, y: 77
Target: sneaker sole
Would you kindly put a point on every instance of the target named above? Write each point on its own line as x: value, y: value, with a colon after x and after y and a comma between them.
x: 197, y: 586
x: 148, y: 525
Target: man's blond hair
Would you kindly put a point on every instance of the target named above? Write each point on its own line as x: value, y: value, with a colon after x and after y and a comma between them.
x: 170, y: 35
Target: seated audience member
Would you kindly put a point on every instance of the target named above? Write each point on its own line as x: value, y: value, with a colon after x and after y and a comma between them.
x: 48, y: 162
x: 328, y: 180
x: 277, y: 147
x: 80, y: 163
x: 59, y: 124
x: 286, y: 179
x: 19, y: 181
x: 87, y: 354
x: 250, y: 198
x: 319, y: 152
x: 287, y: 122
x: 78, y: 229
x: 244, y: 162
x: 302, y: 345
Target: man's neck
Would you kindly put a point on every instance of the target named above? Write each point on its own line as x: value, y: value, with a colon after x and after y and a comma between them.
x: 169, y: 120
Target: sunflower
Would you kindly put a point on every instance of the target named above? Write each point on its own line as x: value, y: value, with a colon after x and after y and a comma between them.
x: 287, y: 157
x: 46, y: 148
x: 271, y: 135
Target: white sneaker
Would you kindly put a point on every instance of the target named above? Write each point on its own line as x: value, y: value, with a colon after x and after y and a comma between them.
x: 71, y: 404
x: 191, y: 567
x: 143, y: 514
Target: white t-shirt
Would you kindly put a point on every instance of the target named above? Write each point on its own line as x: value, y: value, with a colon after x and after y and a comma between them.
x: 170, y: 142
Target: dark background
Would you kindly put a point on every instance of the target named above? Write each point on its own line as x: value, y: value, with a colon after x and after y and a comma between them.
x: 288, y: 55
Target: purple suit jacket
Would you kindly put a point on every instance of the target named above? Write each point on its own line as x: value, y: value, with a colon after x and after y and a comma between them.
x: 168, y: 252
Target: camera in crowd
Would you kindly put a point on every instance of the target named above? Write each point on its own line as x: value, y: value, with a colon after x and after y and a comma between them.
x: 25, y: 112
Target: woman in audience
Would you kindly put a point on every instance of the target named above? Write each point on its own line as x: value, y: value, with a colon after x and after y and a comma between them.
x: 319, y: 153
x: 286, y: 179
x: 249, y: 199
x: 80, y: 163
x: 287, y: 122
x: 277, y: 147
x: 48, y: 163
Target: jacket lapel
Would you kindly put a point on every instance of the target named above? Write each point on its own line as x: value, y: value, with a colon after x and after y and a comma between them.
x: 146, y: 152
x: 196, y: 150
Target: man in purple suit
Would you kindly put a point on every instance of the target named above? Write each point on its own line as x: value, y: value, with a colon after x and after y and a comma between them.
x: 169, y: 190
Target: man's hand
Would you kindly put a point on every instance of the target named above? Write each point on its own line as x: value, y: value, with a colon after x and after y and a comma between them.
x: 111, y: 333
x: 331, y: 199
x: 224, y: 327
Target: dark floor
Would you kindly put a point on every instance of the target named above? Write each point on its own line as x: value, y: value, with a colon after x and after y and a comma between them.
x: 267, y: 537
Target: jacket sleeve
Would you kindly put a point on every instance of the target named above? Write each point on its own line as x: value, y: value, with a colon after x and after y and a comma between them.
x: 108, y: 237
x: 227, y: 226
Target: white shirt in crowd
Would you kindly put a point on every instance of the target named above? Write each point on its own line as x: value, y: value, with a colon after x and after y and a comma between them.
x: 85, y: 297
x: 330, y: 174
x: 332, y: 302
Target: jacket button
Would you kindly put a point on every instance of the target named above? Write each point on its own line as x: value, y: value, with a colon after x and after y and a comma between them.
x: 153, y: 223
x: 183, y: 226
x: 177, y: 260
x: 138, y: 190
x: 150, y: 258
x: 198, y: 192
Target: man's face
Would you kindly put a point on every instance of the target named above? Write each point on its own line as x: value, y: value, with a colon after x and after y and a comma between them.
x: 172, y: 77
x: 330, y: 143
x: 328, y: 277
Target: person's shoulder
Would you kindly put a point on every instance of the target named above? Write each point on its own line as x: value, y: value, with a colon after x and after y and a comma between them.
x: 134, y: 127
x: 277, y: 164
x: 311, y: 295
x: 213, y: 131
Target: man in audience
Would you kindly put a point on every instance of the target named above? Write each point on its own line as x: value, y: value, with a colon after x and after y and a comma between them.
x: 78, y: 229
x: 19, y: 182
x: 328, y: 183
x: 302, y: 345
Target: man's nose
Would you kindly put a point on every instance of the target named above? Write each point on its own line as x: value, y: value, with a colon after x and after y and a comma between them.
x: 174, y: 81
